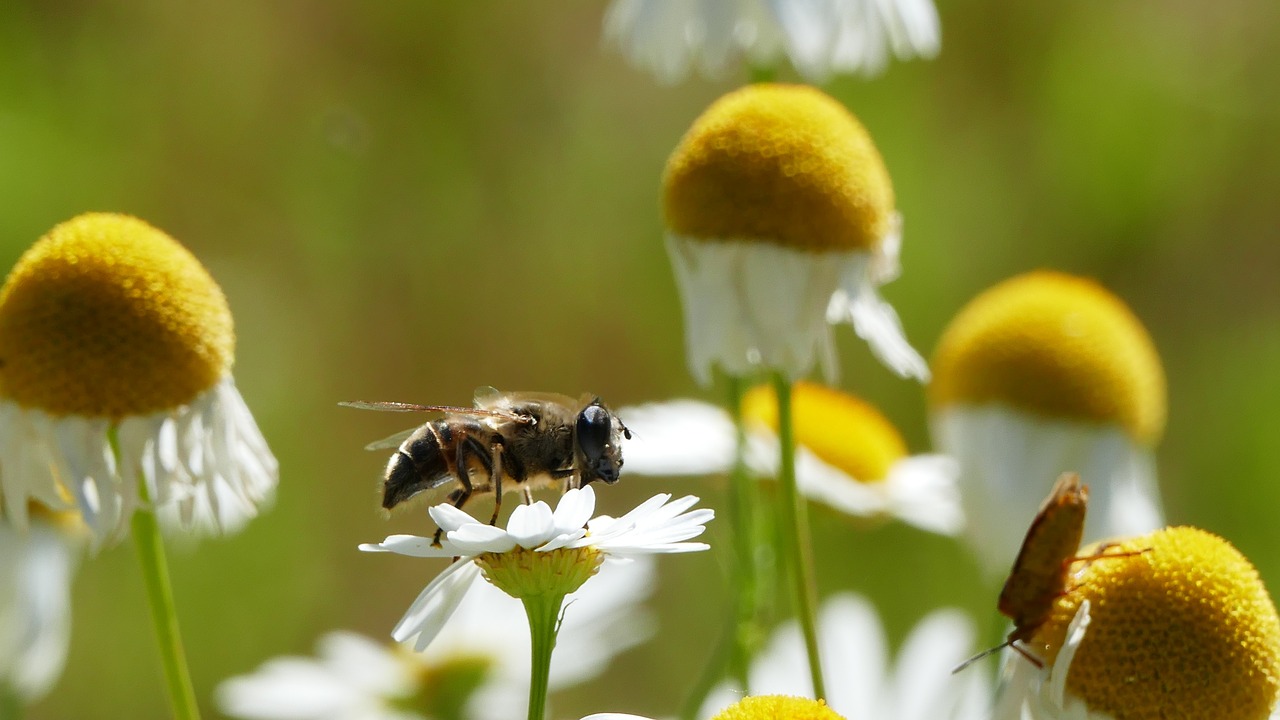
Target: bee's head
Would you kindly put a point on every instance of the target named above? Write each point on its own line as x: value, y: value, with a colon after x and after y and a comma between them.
x: 599, y: 440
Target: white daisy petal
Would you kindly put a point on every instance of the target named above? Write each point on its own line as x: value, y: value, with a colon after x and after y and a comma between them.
x: 435, y: 604
x: 860, y: 681
x: 679, y: 437
x: 818, y: 37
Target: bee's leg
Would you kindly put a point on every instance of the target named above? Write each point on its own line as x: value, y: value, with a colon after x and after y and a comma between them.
x: 495, y: 477
x: 455, y: 497
x: 462, y: 471
x: 528, y: 495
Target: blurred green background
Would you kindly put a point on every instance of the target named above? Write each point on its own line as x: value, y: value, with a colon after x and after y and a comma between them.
x: 406, y: 200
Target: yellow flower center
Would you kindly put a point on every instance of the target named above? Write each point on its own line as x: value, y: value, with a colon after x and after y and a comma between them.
x: 777, y: 707
x: 1058, y: 346
x: 523, y: 573
x: 785, y: 164
x: 1185, y: 629
x: 106, y: 316
x: 842, y: 430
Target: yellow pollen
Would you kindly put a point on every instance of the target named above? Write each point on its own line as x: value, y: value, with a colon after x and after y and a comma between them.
x: 842, y: 430
x: 1183, y: 630
x: 785, y: 164
x: 777, y: 707
x: 1058, y: 346
x: 106, y: 316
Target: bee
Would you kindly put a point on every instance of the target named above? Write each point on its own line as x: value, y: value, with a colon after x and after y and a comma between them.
x: 508, y: 441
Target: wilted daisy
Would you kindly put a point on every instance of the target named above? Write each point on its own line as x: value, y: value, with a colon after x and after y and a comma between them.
x: 1181, y: 627
x: 115, y: 380
x: 818, y: 37
x: 36, y: 565
x: 861, y: 681
x: 849, y: 456
x: 475, y: 668
x: 539, y: 551
x: 1041, y: 374
x: 780, y: 219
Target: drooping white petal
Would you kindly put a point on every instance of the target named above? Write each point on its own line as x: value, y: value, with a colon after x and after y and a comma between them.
x: 435, y: 604
x: 1009, y: 459
x: 36, y: 565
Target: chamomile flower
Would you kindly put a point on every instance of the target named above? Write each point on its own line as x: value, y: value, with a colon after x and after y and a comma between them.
x: 819, y: 37
x: 761, y: 707
x: 849, y: 456
x: 1180, y: 626
x: 115, y: 371
x: 860, y: 681
x: 36, y: 565
x: 780, y: 220
x: 539, y: 553
x: 474, y: 669
x: 1041, y: 374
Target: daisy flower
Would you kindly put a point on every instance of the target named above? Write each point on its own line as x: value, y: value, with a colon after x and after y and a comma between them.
x: 780, y: 219
x: 474, y: 669
x: 116, y: 385
x: 1180, y: 626
x: 861, y: 681
x: 540, y: 551
x: 1041, y: 374
x: 818, y: 37
x: 762, y: 707
x: 849, y: 456
x: 36, y: 565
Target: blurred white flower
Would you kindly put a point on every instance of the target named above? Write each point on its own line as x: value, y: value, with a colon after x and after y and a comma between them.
x: 819, y: 37
x: 36, y: 565
x: 479, y: 659
x: 1042, y: 374
x: 539, y: 552
x: 861, y: 683
x: 849, y: 456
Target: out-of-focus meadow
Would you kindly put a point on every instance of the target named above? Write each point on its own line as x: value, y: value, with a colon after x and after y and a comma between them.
x: 406, y: 200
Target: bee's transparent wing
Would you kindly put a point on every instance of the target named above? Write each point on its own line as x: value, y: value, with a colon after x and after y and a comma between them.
x: 446, y: 409
x: 391, y: 442
x: 487, y: 396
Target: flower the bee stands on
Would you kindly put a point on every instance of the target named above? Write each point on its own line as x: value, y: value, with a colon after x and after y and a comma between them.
x: 539, y: 558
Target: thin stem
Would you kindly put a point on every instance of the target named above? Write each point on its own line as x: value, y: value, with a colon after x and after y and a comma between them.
x: 164, y: 615
x: 743, y: 501
x: 794, y: 526
x: 543, y: 612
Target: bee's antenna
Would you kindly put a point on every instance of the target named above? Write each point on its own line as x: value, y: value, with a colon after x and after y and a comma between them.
x: 979, y: 656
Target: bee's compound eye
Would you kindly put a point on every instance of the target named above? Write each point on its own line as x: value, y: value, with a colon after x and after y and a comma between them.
x: 594, y: 431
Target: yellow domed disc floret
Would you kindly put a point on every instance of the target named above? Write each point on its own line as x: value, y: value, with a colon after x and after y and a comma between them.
x: 784, y: 164
x: 777, y: 707
x: 1058, y: 346
x: 106, y: 316
x: 1185, y: 629
x: 842, y: 430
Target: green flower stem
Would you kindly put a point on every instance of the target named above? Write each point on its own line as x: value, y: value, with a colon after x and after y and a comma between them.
x: 544, y: 622
x: 743, y: 633
x: 155, y: 574
x: 744, y: 499
x: 794, y: 526
x: 11, y: 705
